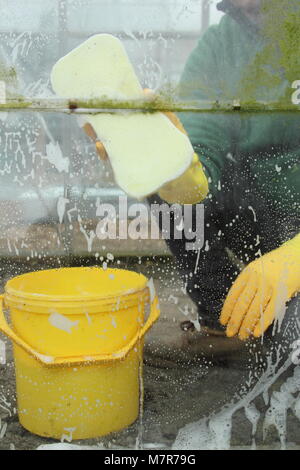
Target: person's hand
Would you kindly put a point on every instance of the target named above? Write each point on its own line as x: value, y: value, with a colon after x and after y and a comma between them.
x: 260, y: 293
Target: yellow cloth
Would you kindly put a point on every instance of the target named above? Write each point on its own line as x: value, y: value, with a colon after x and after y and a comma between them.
x: 260, y: 293
x: 189, y: 188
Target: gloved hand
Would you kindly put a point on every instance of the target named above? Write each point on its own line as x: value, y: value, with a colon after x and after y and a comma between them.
x: 189, y: 188
x: 260, y: 293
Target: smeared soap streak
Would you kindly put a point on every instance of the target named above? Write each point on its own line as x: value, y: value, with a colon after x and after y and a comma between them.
x: 2, y: 353
x: 88, y: 236
x: 173, y: 299
x: 55, y: 157
x: 214, y: 432
x: 68, y: 436
x: 253, y: 415
x: 3, y: 428
x: 253, y: 212
x: 140, y: 436
x: 61, y: 207
x: 150, y: 285
x: 4, y: 405
x: 45, y: 359
x: 288, y: 398
x: 62, y: 323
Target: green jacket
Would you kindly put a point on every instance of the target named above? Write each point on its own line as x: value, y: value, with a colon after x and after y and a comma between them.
x: 230, y: 63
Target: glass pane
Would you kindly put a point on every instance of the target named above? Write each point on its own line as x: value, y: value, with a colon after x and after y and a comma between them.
x: 219, y: 238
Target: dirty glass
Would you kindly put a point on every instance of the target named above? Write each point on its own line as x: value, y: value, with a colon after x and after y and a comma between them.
x: 230, y: 70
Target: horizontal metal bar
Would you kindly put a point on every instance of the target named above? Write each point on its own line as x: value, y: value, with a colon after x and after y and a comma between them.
x: 158, y: 104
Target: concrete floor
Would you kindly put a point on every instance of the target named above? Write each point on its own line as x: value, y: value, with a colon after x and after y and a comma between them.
x: 177, y: 392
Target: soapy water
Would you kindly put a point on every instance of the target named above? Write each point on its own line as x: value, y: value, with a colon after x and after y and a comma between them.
x: 214, y: 432
x: 62, y: 322
x: 140, y: 436
x: 5, y: 405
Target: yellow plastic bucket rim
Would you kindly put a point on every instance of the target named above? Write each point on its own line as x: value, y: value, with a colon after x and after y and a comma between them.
x: 43, y: 303
x: 50, y: 361
x: 36, y: 297
x: 76, y: 307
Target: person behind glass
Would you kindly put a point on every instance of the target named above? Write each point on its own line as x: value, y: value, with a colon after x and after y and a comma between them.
x: 246, y: 173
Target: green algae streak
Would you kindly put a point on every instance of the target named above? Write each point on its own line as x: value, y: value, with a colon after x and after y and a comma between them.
x: 277, y: 63
x: 110, y: 106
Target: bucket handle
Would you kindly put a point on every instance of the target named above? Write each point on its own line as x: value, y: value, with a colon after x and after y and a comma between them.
x: 51, y: 361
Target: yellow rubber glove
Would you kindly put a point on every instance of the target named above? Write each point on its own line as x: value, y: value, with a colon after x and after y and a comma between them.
x: 260, y: 293
x: 189, y: 188
x: 192, y: 186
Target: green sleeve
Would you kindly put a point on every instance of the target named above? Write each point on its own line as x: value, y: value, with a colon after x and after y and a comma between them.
x: 210, y: 133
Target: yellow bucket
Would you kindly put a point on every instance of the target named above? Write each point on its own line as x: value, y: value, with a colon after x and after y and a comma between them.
x: 78, y: 339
